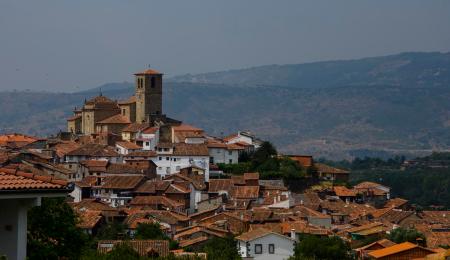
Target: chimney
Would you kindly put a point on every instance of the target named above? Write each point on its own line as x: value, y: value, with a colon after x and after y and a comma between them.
x: 293, y: 233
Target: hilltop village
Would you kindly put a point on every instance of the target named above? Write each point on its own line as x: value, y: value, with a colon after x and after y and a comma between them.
x: 127, y: 163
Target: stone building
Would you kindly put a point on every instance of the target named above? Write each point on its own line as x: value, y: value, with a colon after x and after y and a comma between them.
x: 101, y: 114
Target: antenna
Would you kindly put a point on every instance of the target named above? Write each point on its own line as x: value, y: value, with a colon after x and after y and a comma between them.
x: 100, y: 91
x: 149, y: 66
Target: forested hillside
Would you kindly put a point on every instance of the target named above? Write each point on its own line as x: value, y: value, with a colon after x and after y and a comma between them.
x: 411, y: 117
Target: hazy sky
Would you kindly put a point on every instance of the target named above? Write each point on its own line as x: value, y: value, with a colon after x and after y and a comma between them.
x: 64, y: 45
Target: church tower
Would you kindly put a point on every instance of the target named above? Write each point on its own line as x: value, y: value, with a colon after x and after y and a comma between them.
x: 148, y: 94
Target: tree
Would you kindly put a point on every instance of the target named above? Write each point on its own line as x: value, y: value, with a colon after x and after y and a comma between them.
x: 52, y: 231
x: 400, y: 235
x: 222, y: 249
x: 312, y: 247
x: 263, y: 153
x: 150, y: 231
x: 111, y: 231
x: 122, y: 251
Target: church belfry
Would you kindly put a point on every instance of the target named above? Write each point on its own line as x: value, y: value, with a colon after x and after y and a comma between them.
x: 148, y: 94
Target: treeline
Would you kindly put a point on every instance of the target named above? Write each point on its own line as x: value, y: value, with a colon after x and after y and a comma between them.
x: 268, y: 164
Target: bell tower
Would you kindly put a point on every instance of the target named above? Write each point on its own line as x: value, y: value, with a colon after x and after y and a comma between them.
x: 148, y: 94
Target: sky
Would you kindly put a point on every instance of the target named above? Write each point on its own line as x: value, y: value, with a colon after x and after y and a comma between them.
x: 66, y: 45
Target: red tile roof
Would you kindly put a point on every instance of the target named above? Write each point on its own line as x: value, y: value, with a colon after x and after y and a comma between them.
x: 16, y: 138
x: 155, y: 200
x: 343, y: 191
x: 128, y: 145
x: 12, y: 179
x: 143, y: 247
x: 121, y: 182
x: 395, y: 249
x: 116, y: 119
x: 135, y: 127
x: 149, y: 72
x: 245, y: 192
x: 216, y: 185
x: 303, y: 160
x: 251, y: 176
x: 182, y: 149
x: 128, y: 101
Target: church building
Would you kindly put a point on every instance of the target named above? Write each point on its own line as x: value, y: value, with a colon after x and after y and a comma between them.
x: 103, y: 115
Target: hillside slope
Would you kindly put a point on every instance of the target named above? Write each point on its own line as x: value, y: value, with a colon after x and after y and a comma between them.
x: 332, y: 121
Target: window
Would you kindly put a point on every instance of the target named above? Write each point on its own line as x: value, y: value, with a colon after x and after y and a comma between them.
x: 271, y: 249
x: 123, y: 111
x: 153, y: 82
x: 230, y: 153
x: 167, y: 158
x: 160, y: 158
x: 230, y: 161
x: 258, y: 249
x: 166, y: 149
x: 147, y: 143
x: 174, y: 159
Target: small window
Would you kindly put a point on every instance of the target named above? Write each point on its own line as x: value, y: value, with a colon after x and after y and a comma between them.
x: 147, y: 143
x: 123, y: 111
x: 167, y: 158
x: 153, y: 82
x: 230, y: 152
x: 174, y: 159
x: 160, y: 158
x: 271, y: 249
x: 258, y: 249
x: 230, y: 161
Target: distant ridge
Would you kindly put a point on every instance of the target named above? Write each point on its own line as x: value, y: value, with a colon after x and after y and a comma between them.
x: 412, y: 69
x: 396, y: 104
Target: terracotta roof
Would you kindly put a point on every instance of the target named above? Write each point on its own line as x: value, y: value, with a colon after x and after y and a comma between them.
x: 368, y: 185
x: 116, y: 119
x: 382, y: 242
x: 303, y: 160
x: 230, y: 137
x: 216, y: 185
x: 150, y: 130
x: 16, y: 138
x: 182, y: 149
x: 216, y: 144
x: 149, y: 72
x: 186, y: 127
x: 141, y: 154
x: 177, y: 188
x: 328, y: 169
x: 151, y: 186
x: 13, y: 179
x: 343, y: 191
x: 235, y: 147
x: 395, y: 249
x: 190, y: 242
x: 128, y: 101
x: 155, y: 200
x: 135, y: 127
x: 395, y: 203
x: 121, y: 182
x: 245, y: 192
x: 100, y: 100
x: 238, y: 180
x: 94, y: 150
x: 122, y: 168
x: 143, y: 247
x: 89, y: 219
x: 257, y: 233
x: 65, y: 147
x: 128, y: 145
x: 251, y: 176
x: 95, y: 165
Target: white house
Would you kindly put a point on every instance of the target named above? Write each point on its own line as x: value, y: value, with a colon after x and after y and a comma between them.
x: 243, y: 137
x: 263, y: 244
x: 19, y: 191
x: 223, y: 153
x: 148, y: 138
x: 171, y: 158
x: 125, y: 147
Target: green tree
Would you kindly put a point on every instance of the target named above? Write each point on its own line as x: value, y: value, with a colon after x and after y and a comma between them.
x: 328, y: 248
x: 263, y: 153
x: 111, y: 231
x: 150, y: 231
x: 52, y: 231
x: 400, y: 235
x: 121, y: 252
x: 222, y: 249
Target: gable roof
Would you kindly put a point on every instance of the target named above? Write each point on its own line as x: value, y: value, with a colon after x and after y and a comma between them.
x: 16, y: 180
x: 257, y: 233
x: 116, y: 119
x: 128, y: 145
x: 216, y: 185
x: 121, y: 182
x: 245, y: 192
x: 135, y: 127
x: 183, y: 149
x: 343, y: 191
x: 94, y: 150
x: 148, y: 72
x: 395, y: 249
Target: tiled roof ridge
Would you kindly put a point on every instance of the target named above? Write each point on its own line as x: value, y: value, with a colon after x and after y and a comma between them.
x: 38, y: 177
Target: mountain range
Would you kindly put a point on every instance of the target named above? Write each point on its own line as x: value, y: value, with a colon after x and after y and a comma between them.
x: 397, y: 104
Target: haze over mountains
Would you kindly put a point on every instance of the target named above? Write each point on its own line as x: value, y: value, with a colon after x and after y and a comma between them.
x: 396, y: 104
